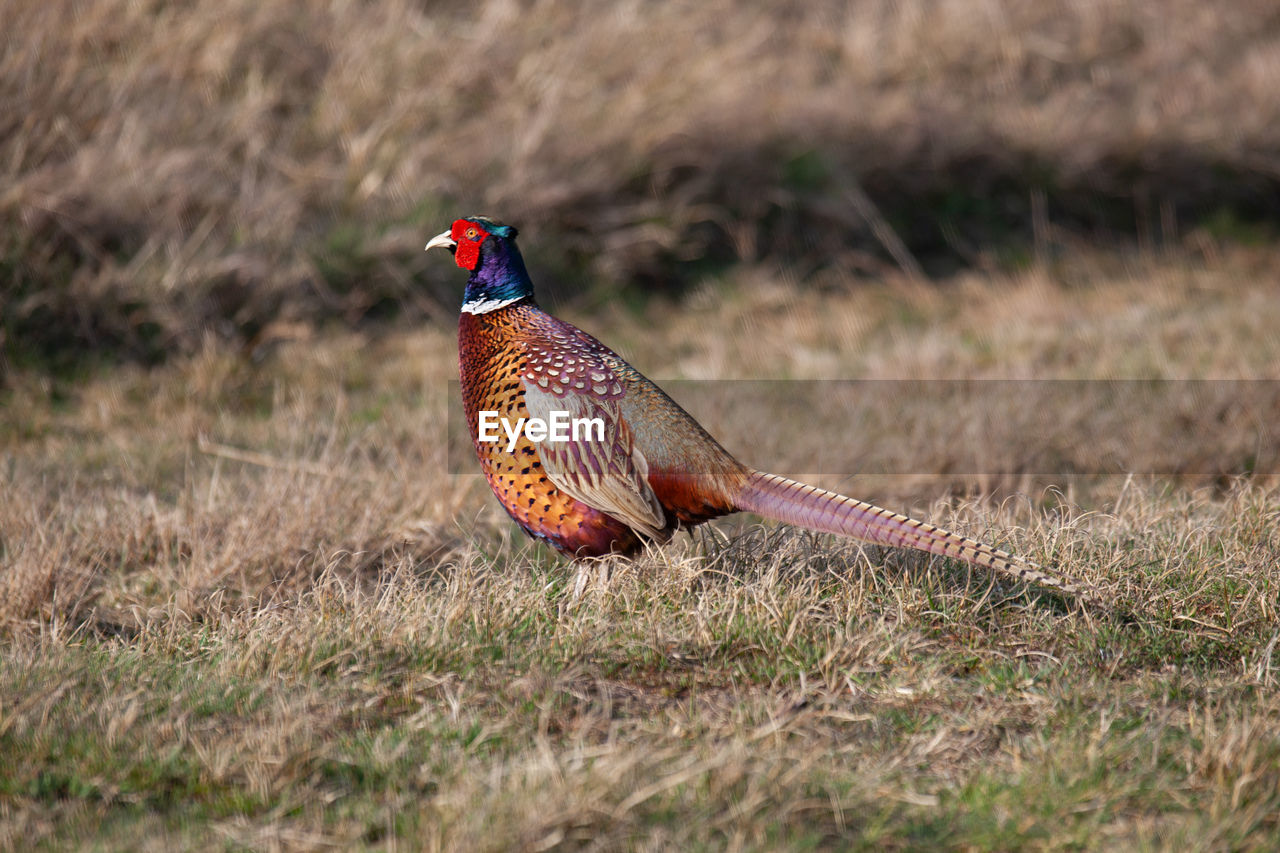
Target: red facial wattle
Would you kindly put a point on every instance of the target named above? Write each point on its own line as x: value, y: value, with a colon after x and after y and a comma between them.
x: 468, y: 236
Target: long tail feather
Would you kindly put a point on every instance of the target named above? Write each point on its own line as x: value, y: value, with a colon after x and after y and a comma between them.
x: 806, y: 506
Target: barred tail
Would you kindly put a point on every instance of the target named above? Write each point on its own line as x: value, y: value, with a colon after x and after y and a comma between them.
x: 806, y: 506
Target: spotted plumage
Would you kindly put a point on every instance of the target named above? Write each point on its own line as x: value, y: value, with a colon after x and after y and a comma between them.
x: 652, y: 468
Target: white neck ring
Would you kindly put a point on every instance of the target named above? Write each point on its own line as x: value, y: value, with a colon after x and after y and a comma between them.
x: 484, y: 306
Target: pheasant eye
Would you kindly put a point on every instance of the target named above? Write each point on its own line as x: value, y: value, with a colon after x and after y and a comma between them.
x: 471, y: 233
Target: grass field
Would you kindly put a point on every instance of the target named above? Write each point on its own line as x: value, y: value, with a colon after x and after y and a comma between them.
x: 244, y: 604
x: 247, y: 608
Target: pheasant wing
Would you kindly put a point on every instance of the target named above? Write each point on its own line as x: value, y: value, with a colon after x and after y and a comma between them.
x: 601, y: 465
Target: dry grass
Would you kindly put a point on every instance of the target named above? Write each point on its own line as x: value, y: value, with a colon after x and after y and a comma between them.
x: 335, y: 643
x: 244, y: 604
x: 178, y: 170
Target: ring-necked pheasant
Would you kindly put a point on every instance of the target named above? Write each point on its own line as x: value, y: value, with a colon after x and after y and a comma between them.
x: 652, y: 467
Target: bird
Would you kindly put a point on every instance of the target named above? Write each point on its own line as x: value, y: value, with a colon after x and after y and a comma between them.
x: 642, y: 467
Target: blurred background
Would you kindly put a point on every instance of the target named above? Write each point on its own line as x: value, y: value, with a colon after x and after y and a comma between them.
x: 175, y: 174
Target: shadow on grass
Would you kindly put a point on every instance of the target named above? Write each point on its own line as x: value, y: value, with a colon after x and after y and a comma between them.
x: 861, y: 207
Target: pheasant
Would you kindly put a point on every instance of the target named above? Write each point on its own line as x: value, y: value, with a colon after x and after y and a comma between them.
x: 642, y: 467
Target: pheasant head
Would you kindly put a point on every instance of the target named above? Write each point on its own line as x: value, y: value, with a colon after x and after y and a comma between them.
x: 487, y: 249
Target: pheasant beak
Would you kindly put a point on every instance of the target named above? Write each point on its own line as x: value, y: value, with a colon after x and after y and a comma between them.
x: 446, y: 240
